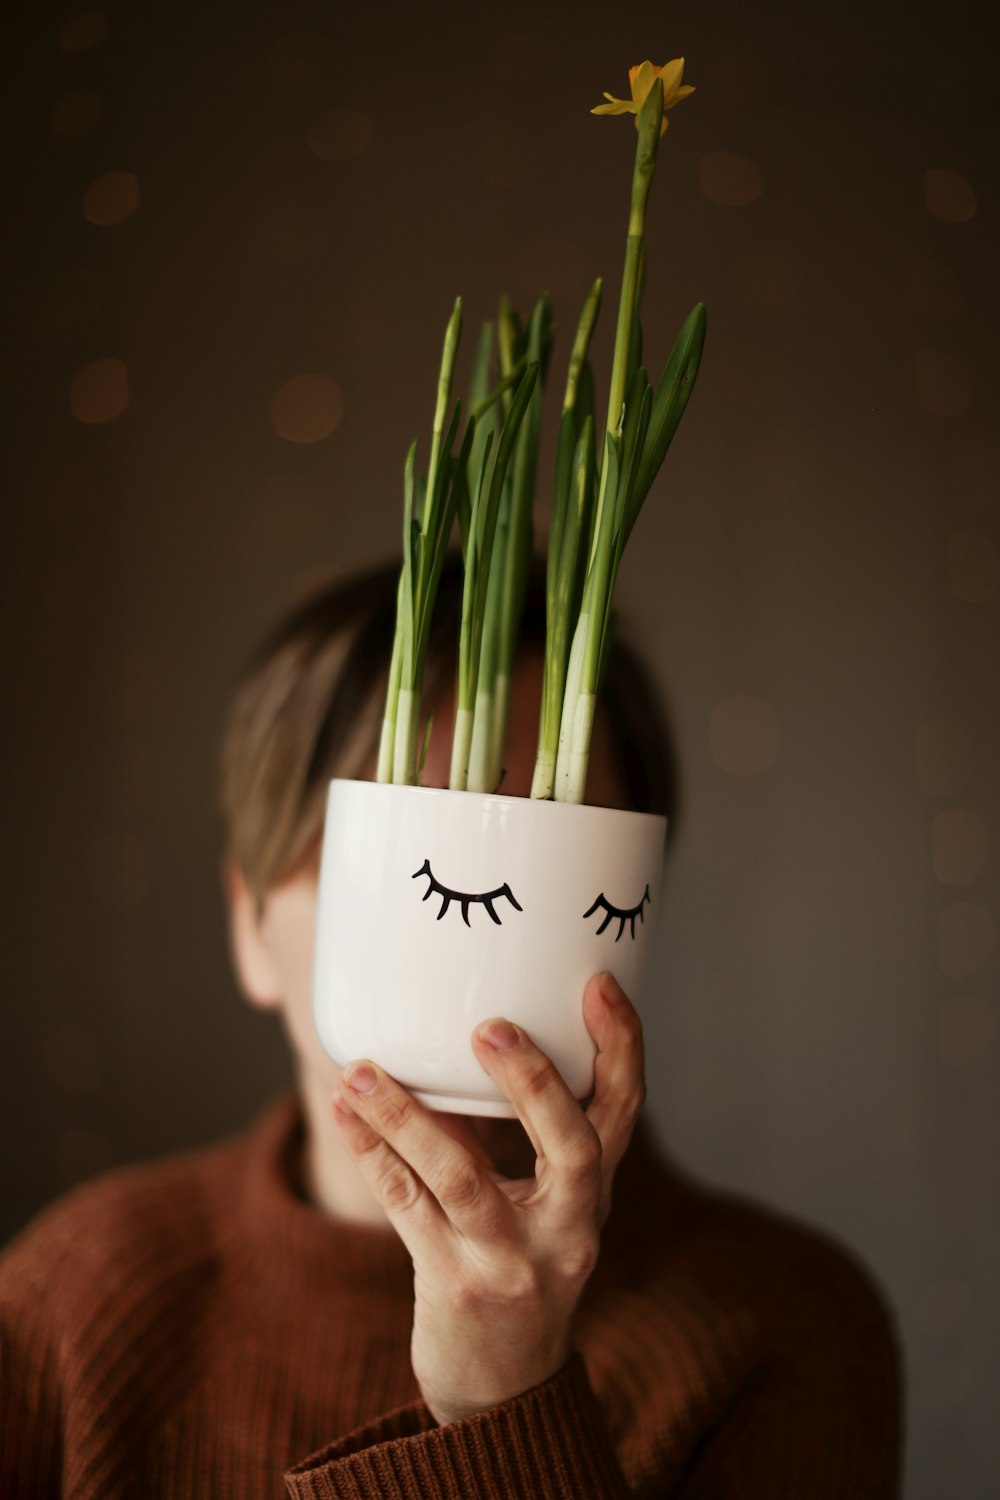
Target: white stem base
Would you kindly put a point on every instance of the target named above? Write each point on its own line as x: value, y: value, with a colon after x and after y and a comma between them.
x: 480, y: 777
x: 405, y: 751
x: 460, y: 747
x: 579, y: 755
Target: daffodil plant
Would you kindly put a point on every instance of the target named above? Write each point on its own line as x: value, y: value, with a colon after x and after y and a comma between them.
x: 599, y: 488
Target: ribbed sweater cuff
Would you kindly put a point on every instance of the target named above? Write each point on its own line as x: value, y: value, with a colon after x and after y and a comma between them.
x: 550, y: 1443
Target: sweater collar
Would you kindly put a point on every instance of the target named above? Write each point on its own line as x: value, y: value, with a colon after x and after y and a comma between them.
x: 296, y: 1252
x: 302, y: 1260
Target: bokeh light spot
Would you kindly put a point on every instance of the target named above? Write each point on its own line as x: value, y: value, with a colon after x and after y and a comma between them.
x: 744, y: 735
x: 966, y: 1028
x: 729, y: 179
x: 960, y: 843
x: 83, y: 31
x: 76, y: 112
x: 99, y: 392
x: 307, y: 408
x: 111, y: 199
x: 940, y: 384
x: 965, y: 939
x: 341, y: 134
x: 949, y: 196
x: 973, y: 566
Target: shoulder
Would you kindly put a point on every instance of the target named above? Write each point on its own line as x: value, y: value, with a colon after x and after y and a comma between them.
x: 732, y: 1341
x: 761, y: 1284
x: 135, y: 1236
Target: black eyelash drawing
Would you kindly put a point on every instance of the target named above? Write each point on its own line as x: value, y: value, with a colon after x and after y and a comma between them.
x: 486, y: 899
x: 614, y: 911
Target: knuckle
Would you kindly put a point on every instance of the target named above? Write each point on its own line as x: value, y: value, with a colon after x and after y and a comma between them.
x: 522, y: 1283
x: 398, y: 1189
x: 539, y: 1078
x: 395, y: 1112
x: 467, y: 1292
x: 392, y: 1182
x: 508, y: 1283
x: 635, y: 1100
x: 579, y: 1259
x: 458, y: 1186
x: 631, y: 1025
x: 583, y: 1159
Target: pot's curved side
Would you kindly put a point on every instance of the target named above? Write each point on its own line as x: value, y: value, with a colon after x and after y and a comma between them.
x: 439, y: 909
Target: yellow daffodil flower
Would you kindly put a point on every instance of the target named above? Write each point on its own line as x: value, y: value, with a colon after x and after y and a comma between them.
x: 640, y: 80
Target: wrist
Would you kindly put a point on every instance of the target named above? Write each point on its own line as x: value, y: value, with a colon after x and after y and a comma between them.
x: 492, y: 1389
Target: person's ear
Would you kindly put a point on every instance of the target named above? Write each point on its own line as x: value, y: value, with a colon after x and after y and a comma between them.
x: 248, y: 943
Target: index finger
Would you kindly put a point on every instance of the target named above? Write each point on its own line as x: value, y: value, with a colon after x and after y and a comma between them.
x: 619, y: 1078
x: 456, y: 1178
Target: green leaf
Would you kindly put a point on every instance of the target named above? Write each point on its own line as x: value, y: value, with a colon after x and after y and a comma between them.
x: 585, y: 393
x: 565, y: 448
x: 488, y: 518
x: 457, y: 497
x: 581, y: 344
x: 425, y: 744
x: 446, y: 371
x: 407, y: 574
x: 637, y: 423
x: 672, y: 395
x: 634, y: 348
x: 599, y: 571
x: 479, y: 382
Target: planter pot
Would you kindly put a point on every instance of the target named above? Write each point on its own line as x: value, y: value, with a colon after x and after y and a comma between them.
x: 440, y: 909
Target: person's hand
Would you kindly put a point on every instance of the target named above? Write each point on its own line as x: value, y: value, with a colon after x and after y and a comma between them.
x: 499, y: 1264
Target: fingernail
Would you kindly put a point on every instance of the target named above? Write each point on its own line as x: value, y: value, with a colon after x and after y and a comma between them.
x: 360, y: 1077
x: 499, y: 1034
x: 611, y: 989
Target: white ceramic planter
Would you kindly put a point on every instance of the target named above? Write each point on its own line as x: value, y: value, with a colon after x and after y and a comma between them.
x: 440, y: 909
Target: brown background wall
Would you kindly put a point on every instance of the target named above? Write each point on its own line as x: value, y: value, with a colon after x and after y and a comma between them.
x: 816, y: 579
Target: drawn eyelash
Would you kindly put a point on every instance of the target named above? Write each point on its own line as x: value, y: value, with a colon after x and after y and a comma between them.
x: 466, y: 898
x: 614, y: 911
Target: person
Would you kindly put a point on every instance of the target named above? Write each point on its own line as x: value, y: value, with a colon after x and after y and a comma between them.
x: 358, y: 1297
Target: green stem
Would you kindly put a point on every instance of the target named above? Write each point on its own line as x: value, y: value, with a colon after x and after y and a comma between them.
x: 501, y: 693
x: 481, y: 776
x: 387, y: 738
x: 579, y: 754
x: 460, y: 748
x: 405, y: 751
x: 628, y: 301
x: 623, y: 331
x: 572, y: 692
x: 452, y: 335
x: 544, y: 773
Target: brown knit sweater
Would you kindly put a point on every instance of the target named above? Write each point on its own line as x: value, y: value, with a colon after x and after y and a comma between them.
x: 196, y: 1328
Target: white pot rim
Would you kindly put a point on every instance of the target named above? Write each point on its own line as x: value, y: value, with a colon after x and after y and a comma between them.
x: 554, y: 809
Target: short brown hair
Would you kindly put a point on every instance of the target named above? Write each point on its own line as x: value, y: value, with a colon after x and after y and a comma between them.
x: 309, y: 707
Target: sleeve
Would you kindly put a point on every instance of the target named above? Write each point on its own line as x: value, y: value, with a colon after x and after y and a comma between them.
x: 550, y: 1443
x: 30, y: 1417
x: 821, y: 1419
